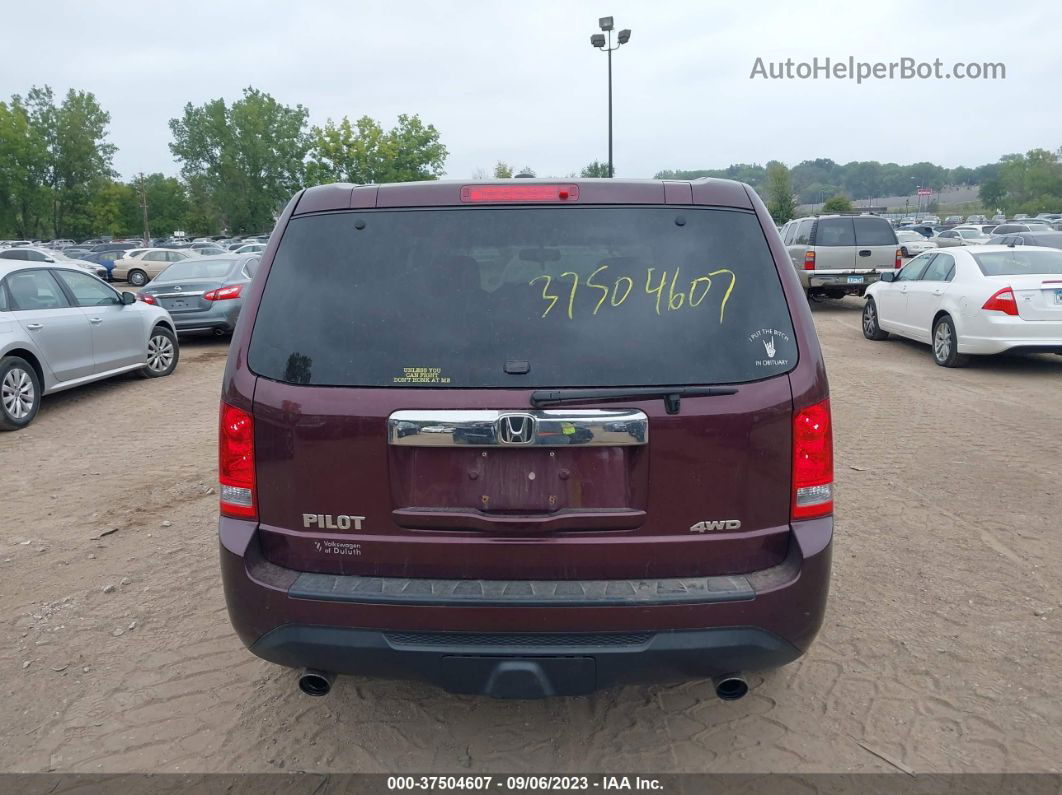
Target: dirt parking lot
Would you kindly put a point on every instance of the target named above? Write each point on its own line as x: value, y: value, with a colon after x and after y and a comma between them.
x: 940, y: 650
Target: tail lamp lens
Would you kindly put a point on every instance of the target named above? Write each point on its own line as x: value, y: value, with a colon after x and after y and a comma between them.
x: 501, y: 194
x: 147, y: 298
x: 809, y: 260
x: 899, y: 259
x: 223, y: 293
x: 236, y: 463
x: 1002, y: 301
x: 812, y: 462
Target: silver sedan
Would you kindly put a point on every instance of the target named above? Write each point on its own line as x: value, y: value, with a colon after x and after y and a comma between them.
x: 61, y: 327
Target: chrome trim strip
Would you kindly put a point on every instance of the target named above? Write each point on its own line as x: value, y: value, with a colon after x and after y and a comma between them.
x: 178, y: 295
x: 542, y: 428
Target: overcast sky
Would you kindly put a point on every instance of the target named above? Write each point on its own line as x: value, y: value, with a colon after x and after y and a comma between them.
x: 519, y: 81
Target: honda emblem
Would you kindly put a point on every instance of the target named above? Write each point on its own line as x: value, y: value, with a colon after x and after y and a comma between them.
x: 516, y: 429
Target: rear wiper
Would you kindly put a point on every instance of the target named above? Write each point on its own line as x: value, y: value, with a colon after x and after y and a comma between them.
x: 671, y: 394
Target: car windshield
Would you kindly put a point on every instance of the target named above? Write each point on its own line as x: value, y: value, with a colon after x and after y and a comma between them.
x: 908, y: 237
x: 523, y: 297
x: 1019, y: 262
x: 969, y: 233
x: 197, y: 269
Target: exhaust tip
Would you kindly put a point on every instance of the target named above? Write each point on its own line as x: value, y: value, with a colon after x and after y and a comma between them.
x: 730, y: 687
x: 316, y: 683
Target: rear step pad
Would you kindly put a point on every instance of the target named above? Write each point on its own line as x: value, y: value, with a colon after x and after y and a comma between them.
x: 522, y: 593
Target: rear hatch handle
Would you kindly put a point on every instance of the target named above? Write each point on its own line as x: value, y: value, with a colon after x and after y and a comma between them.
x: 672, y: 395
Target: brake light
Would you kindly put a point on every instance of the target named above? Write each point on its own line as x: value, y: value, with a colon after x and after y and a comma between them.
x: 812, y: 462
x: 236, y: 463
x: 519, y: 193
x: 223, y: 293
x: 147, y: 299
x: 809, y: 260
x: 1002, y: 301
x: 899, y: 259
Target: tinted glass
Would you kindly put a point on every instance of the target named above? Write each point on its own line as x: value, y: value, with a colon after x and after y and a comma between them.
x: 13, y: 254
x: 914, y: 269
x: 802, y: 233
x: 1019, y: 261
x: 198, y: 269
x: 4, y: 305
x: 835, y: 232
x: 35, y: 290
x: 87, y: 290
x: 873, y: 232
x: 587, y: 296
x: 938, y: 270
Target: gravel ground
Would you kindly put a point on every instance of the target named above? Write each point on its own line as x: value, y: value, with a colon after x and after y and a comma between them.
x: 939, y: 651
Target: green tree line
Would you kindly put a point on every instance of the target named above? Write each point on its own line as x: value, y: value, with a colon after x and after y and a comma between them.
x: 239, y: 163
x: 1014, y: 179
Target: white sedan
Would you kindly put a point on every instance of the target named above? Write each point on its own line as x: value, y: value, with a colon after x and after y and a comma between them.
x: 975, y: 300
x: 912, y: 243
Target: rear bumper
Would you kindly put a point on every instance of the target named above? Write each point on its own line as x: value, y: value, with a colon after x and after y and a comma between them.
x: 838, y: 280
x: 1005, y: 333
x: 217, y: 318
x: 555, y: 641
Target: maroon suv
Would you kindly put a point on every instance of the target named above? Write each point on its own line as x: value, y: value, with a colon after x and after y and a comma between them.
x: 526, y: 438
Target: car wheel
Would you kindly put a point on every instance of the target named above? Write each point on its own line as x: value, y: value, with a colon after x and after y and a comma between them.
x: 946, y: 344
x: 20, y: 393
x: 137, y: 278
x: 162, y: 354
x: 903, y: 250
x: 871, y: 329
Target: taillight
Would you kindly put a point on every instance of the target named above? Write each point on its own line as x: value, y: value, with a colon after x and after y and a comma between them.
x: 236, y: 463
x: 899, y: 259
x: 812, y: 462
x: 147, y: 299
x: 809, y: 260
x: 1003, y: 301
x: 223, y: 293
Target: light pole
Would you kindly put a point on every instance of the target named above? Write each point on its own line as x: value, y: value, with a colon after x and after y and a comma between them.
x: 598, y: 40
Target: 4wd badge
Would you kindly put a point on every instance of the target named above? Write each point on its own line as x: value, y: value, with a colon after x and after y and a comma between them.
x: 716, y: 525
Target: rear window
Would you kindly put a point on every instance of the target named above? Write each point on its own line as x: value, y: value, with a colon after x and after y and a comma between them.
x: 835, y: 232
x: 873, y: 232
x: 1019, y: 262
x: 522, y: 297
x: 198, y: 269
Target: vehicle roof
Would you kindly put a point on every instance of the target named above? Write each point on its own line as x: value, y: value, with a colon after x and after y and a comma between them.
x: 447, y: 193
x: 9, y: 265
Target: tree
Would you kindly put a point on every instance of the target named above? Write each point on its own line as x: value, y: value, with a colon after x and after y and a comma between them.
x: 248, y: 156
x: 595, y: 169
x: 24, y: 197
x: 503, y: 170
x: 780, y: 202
x: 837, y: 204
x: 992, y: 193
x: 363, y: 152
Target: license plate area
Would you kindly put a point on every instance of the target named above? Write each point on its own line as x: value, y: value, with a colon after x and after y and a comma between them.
x: 1058, y: 297
x: 171, y: 304
x: 855, y: 279
x: 513, y: 481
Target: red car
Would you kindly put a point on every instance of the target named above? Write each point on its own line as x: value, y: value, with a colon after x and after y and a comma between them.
x: 526, y: 438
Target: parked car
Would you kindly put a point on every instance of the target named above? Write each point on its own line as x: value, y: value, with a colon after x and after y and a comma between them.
x: 838, y: 255
x: 1004, y: 229
x: 1049, y: 239
x: 206, y: 249
x: 925, y: 230
x: 43, y: 255
x: 932, y: 220
x: 251, y: 248
x: 203, y: 293
x: 386, y: 557
x: 912, y: 243
x: 112, y: 247
x: 961, y: 237
x: 972, y: 301
x: 953, y: 219
x: 148, y: 263
x: 999, y: 218
x: 61, y: 327
x: 976, y: 219
x: 1020, y: 217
